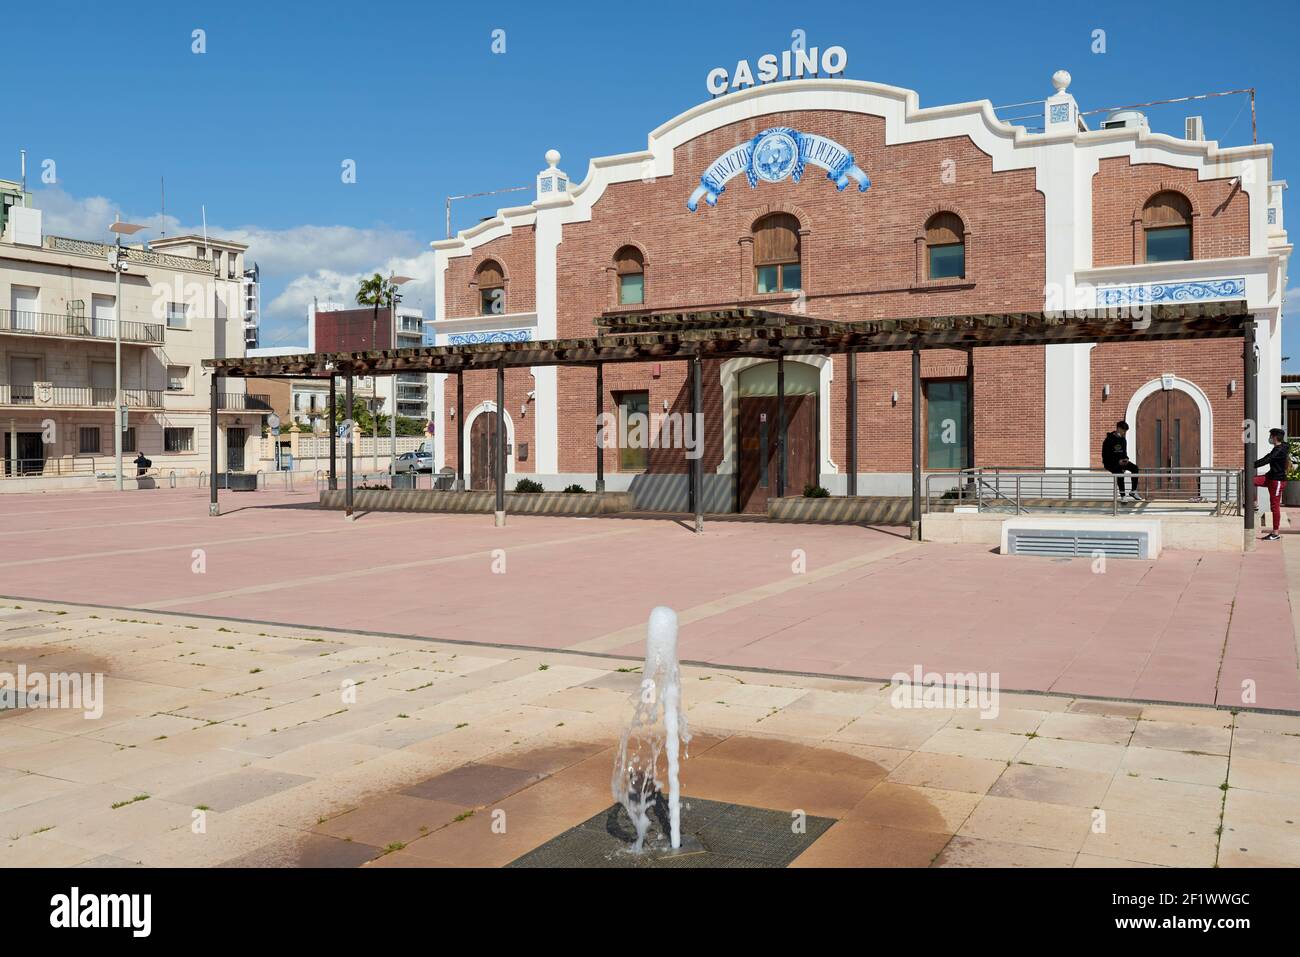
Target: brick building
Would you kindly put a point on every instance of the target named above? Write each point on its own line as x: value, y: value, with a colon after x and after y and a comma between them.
x: 963, y: 214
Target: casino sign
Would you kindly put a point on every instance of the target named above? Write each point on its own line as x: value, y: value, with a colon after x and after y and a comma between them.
x: 772, y: 156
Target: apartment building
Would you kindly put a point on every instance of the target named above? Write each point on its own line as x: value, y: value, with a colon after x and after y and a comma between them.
x: 182, y: 301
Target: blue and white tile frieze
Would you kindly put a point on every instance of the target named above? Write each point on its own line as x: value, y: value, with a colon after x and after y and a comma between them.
x: 1152, y: 293
x: 479, y: 338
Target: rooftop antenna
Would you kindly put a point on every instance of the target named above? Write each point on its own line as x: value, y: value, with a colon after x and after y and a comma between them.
x: 22, y: 154
x: 162, y: 188
x: 205, y: 225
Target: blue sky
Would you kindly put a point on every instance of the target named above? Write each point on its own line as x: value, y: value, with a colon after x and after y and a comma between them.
x: 257, y: 127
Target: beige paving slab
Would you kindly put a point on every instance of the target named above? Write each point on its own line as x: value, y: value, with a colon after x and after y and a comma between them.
x: 1276, y: 777
x: 996, y: 745
x: 1266, y: 745
x: 1188, y: 767
x: 1177, y: 714
x: 1094, y: 728
x: 948, y: 771
x: 1015, y: 821
x: 1078, y: 755
x: 1153, y: 838
x: 968, y: 851
x: 1179, y: 736
x: 1196, y: 803
x: 937, y: 810
x: 1068, y: 786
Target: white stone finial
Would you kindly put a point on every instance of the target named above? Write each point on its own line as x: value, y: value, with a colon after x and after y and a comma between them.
x: 552, y: 158
x: 1061, y: 80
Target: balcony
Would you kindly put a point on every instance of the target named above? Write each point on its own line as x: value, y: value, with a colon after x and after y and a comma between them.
x: 243, y: 402
x: 43, y: 395
x: 19, y: 322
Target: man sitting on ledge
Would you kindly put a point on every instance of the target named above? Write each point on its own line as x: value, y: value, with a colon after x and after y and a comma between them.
x: 1114, y: 458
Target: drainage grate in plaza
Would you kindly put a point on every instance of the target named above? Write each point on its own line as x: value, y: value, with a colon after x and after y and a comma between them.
x: 714, y: 834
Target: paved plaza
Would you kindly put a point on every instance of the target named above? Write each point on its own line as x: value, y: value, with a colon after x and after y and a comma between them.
x: 232, y: 744
x: 284, y: 687
x: 1192, y: 627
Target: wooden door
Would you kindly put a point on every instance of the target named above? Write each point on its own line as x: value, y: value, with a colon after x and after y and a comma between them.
x: 758, y: 448
x: 483, y: 452
x: 1169, y: 437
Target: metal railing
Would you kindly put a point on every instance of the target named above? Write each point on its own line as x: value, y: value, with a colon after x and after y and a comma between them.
x: 52, y: 467
x: 54, y: 324
x: 244, y: 402
x: 1019, y: 490
x: 78, y: 396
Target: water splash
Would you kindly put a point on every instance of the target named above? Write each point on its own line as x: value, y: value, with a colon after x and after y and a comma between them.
x: 658, y: 728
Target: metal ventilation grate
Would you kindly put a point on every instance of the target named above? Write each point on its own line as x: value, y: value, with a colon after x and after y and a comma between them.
x: 1071, y: 543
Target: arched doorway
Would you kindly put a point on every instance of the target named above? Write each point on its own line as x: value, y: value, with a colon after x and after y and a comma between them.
x: 757, y: 411
x: 483, y: 452
x: 1169, y: 434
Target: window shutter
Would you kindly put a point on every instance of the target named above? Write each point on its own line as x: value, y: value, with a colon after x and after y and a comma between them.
x: 776, y: 240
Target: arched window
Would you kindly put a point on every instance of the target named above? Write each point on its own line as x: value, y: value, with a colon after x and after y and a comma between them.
x: 1167, y: 227
x: 630, y: 268
x: 491, y: 282
x: 777, y: 266
x: 945, y: 247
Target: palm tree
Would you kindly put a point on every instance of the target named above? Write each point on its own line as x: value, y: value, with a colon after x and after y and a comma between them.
x: 376, y: 291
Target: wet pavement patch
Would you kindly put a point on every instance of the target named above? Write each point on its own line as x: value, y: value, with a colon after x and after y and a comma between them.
x: 714, y: 834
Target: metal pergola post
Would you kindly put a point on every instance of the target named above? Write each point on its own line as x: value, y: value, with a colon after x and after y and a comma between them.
x: 334, y: 427
x: 916, y: 441
x: 697, y: 463
x: 970, y: 407
x: 347, y: 493
x: 214, y: 508
x: 600, y: 414
x: 1250, y: 495
x: 852, y: 357
x: 501, y: 447
x: 460, y: 432
x: 780, y: 425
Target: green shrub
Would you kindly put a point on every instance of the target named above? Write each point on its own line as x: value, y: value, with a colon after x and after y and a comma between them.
x: 815, y: 491
x: 575, y: 489
x: 528, y: 485
x: 1293, y: 470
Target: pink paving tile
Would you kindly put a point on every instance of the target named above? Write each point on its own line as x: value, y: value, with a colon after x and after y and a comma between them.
x: 1153, y: 629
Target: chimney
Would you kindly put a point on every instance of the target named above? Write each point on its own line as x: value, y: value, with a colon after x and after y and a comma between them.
x: 1194, y: 129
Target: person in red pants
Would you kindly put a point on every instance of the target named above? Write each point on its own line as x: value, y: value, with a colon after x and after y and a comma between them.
x: 1278, y: 460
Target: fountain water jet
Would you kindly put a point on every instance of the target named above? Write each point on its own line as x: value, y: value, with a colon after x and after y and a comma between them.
x: 658, y: 727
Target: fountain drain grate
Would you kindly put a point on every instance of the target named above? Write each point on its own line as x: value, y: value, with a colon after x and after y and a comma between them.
x: 726, y: 835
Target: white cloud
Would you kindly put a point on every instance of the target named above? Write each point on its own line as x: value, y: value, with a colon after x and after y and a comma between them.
x: 297, y: 263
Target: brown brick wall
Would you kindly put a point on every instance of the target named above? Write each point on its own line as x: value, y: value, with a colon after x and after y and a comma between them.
x: 354, y: 330
x: 860, y: 261
x: 1210, y: 363
x: 515, y: 252
x: 482, y: 387
x: 1220, y: 213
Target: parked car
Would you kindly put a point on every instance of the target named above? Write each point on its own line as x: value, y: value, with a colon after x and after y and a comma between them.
x: 414, y: 462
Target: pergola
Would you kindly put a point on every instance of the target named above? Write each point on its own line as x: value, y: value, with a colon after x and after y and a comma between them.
x: 728, y: 333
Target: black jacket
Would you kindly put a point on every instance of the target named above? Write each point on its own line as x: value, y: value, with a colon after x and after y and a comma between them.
x: 1277, y: 460
x: 1114, y: 449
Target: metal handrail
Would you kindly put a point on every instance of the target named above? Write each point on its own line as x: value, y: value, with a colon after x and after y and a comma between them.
x: 1228, y: 485
x: 30, y: 323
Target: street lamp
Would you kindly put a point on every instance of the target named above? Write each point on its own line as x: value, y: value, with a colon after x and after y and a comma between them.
x: 395, y: 281
x: 117, y: 259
